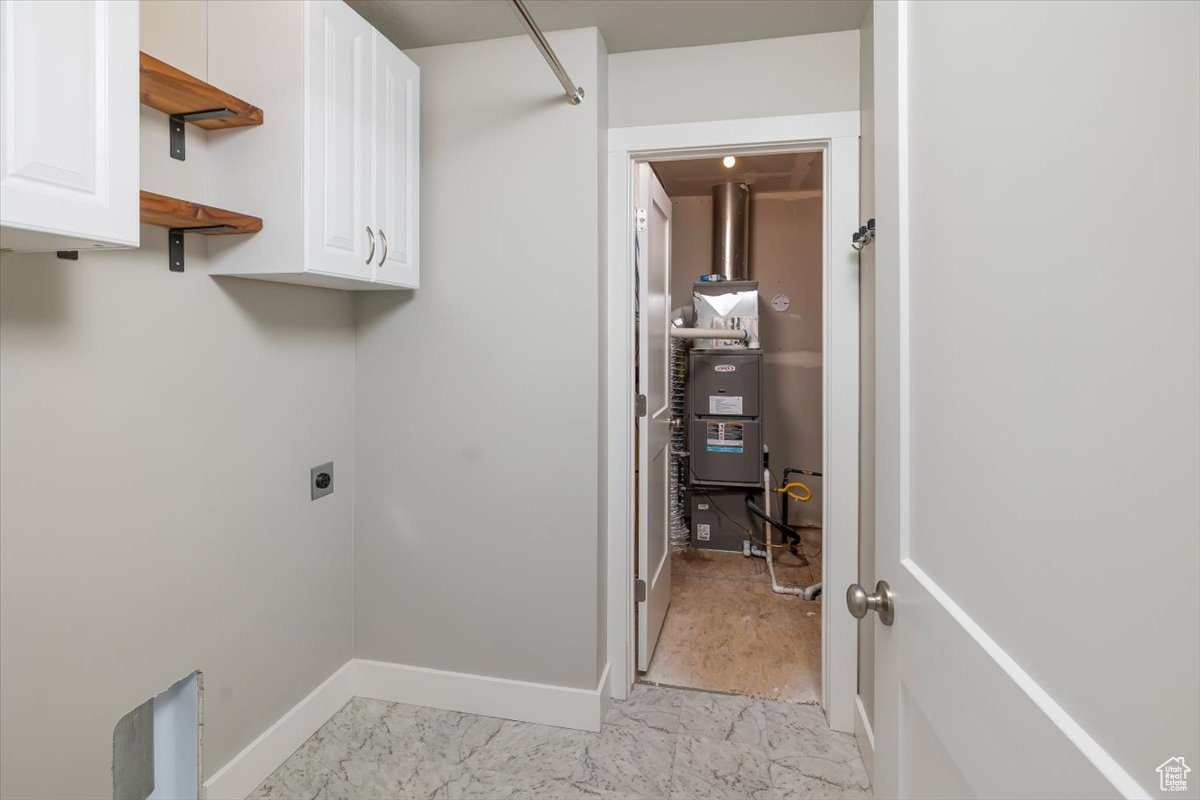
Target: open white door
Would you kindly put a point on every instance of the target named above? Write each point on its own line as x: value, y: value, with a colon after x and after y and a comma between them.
x: 1036, y: 399
x: 654, y: 428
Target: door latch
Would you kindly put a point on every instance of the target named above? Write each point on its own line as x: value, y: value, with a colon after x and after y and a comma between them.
x: 642, y: 219
x: 641, y: 405
x: 881, y: 601
x: 639, y: 590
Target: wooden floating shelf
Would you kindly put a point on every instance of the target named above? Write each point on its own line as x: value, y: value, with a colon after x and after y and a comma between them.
x: 173, y: 91
x: 170, y: 212
x: 186, y: 98
x: 182, y: 216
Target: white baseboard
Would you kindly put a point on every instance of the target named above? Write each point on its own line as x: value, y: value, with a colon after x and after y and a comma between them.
x: 543, y: 703
x: 605, y: 690
x: 479, y: 694
x: 865, y: 736
x: 263, y: 756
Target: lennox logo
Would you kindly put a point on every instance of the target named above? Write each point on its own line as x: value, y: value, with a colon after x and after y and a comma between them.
x: 725, y: 368
x: 1172, y: 775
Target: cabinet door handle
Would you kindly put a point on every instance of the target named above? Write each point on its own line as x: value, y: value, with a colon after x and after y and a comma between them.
x: 371, y: 235
x: 383, y: 257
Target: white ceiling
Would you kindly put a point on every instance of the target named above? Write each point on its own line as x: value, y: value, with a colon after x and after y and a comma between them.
x: 784, y: 172
x: 625, y: 24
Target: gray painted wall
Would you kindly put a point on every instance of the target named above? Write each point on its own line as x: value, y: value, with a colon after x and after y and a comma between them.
x: 866, y: 324
x: 477, y: 525
x: 180, y: 415
x: 766, y: 78
x: 156, y: 431
x: 785, y: 257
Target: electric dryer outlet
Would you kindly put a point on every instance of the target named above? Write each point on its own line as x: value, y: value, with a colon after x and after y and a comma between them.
x: 320, y: 480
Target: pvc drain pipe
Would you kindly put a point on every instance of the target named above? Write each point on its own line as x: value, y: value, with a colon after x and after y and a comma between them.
x: 809, y: 592
x: 709, y: 333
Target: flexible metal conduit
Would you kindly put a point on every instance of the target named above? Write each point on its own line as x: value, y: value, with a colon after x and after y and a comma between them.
x: 574, y: 93
x: 680, y: 534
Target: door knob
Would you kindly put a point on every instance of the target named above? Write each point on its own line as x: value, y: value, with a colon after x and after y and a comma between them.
x: 859, y: 602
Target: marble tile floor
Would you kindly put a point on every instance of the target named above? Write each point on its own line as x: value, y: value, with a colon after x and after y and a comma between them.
x: 726, y: 631
x: 660, y: 743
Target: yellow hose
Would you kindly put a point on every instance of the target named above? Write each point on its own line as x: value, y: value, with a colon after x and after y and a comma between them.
x: 787, y: 489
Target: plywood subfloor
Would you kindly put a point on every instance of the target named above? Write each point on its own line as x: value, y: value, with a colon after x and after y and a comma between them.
x: 726, y: 631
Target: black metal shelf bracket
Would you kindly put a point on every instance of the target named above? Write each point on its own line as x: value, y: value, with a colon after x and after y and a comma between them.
x: 178, y: 128
x: 175, y: 242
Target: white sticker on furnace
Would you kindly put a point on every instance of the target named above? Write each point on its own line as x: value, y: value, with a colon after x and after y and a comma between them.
x: 724, y: 404
x: 702, y: 532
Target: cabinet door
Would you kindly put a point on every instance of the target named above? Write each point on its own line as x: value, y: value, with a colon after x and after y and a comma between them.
x: 339, y: 238
x: 68, y: 124
x: 397, y: 132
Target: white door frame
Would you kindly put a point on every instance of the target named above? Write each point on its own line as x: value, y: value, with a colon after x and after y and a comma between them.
x: 836, y: 135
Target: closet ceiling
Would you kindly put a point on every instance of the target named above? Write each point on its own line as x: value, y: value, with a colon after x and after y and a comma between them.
x: 783, y: 172
x: 626, y: 24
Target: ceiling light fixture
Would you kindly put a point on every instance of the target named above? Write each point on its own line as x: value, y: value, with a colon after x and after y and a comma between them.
x: 728, y: 161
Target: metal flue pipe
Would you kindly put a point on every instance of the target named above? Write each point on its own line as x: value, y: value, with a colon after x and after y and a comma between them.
x: 731, y: 230
x: 574, y: 93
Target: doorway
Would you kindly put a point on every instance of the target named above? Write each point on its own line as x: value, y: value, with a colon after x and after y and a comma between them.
x: 826, y: 673
x: 745, y: 227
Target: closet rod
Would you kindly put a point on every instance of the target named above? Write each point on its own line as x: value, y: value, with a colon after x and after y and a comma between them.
x: 574, y: 93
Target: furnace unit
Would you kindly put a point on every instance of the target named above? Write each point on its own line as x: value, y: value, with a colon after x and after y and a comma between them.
x: 724, y: 419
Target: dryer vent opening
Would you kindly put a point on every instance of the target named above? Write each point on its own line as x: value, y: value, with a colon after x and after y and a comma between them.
x: 157, y: 746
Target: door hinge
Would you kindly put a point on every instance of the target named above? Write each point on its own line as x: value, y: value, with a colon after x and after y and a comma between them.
x: 639, y: 590
x: 640, y: 405
x: 641, y: 218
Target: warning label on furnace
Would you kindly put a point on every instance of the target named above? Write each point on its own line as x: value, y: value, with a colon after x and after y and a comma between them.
x: 724, y: 437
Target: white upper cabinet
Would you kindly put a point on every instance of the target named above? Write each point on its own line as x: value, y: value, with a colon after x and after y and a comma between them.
x: 333, y: 171
x: 68, y: 124
x: 339, y: 234
x: 397, y: 98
